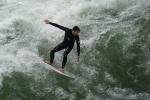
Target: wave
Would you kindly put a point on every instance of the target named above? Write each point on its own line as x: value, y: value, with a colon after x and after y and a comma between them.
x: 115, y: 48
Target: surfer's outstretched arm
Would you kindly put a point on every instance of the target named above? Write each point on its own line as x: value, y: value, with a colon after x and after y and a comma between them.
x: 56, y: 25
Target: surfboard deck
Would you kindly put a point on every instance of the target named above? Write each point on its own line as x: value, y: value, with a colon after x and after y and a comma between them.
x: 50, y: 67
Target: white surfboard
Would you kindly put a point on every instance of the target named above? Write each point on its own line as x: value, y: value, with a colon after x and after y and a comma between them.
x: 49, y: 67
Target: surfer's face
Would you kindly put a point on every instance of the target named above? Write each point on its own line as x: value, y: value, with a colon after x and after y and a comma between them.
x: 75, y: 33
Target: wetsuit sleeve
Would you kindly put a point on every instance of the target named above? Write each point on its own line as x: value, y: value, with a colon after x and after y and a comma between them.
x: 58, y: 26
x: 78, y: 45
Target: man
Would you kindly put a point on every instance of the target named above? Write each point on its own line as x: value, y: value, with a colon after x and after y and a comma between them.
x: 71, y: 35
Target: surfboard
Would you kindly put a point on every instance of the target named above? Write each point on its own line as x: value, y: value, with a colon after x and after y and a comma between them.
x: 50, y: 67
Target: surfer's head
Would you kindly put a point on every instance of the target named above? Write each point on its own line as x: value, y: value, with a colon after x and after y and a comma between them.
x: 75, y: 30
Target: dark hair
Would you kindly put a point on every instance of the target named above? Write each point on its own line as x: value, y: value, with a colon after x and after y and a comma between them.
x: 76, y: 28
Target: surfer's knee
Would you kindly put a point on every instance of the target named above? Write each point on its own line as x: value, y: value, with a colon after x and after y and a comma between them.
x: 52, y: 51
x: 65, y: 54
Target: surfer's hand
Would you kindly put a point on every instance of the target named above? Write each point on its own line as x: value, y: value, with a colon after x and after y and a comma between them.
x: 46, y: 21
x: 78, y: 58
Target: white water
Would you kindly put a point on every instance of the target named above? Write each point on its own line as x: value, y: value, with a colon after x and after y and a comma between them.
x: 22, y: 22
x: 22, y: 28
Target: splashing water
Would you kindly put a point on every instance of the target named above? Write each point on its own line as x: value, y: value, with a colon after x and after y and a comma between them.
x: 115, y: 49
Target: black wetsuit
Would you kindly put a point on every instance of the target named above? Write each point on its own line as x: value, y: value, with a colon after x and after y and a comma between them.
x: 67, y: 44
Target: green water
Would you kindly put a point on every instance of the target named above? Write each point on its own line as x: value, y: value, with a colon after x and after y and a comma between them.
x: 115, y: 50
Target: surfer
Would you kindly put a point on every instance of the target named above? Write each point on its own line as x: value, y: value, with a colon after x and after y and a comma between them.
x: 71, y: 35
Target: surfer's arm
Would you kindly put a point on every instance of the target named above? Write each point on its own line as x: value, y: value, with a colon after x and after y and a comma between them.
x: 78, y: 45
x: 56, y: 25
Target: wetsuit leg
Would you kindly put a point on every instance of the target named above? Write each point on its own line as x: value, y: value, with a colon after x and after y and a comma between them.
x: 67, y: 51
x: 56, y: 49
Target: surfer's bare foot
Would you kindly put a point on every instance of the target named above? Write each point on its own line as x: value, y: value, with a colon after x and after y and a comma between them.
x: 48, y: 62
x: 51, y: 62
x: 62, y: 70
